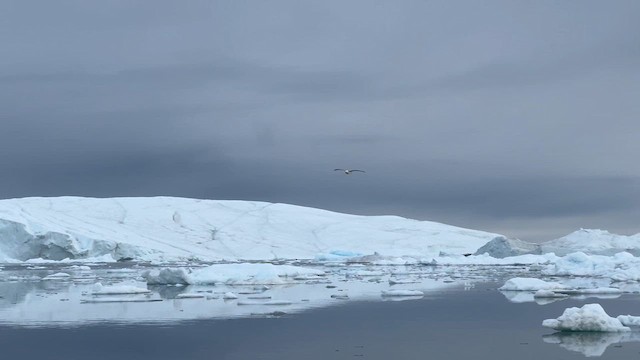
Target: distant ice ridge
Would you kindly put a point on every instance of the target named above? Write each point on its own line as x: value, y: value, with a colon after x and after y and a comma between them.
x: 592, y: 242
x: 169, y: 229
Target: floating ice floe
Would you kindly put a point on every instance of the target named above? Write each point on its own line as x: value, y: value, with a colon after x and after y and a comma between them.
x: 57, y: 276
x: 590, y: 317
x: 529, y: 284
x: 229, y: 296
x: 266, y: 303
x: 402, y: 281
x: 190, y: 296
x: 402, y: 292
x: 232, y: 274
x: 620, y: 267
x: 366, y: 273
x: 118, y: 300
x: 99, y: 289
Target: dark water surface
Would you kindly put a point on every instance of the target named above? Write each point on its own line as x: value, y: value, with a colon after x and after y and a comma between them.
x: 477, y: 323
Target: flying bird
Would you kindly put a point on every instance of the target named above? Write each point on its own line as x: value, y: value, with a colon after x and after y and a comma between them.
x: 349, y: 171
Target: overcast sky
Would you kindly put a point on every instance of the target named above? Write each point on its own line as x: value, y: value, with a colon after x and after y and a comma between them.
x: 517, y: 117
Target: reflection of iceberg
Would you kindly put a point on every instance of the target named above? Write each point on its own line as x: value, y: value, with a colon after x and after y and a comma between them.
x: 73, y: 302
x: 527, y: 296
x: 518, y: 296
x: 547, y: 301
x: 403, y: 298
x: 590, y: 343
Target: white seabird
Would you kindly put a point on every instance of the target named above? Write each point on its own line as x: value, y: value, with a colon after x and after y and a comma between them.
x: 349, y: 171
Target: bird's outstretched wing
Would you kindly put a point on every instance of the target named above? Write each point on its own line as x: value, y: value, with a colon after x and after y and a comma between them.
x: 357, y: 170
x: 338, y: 169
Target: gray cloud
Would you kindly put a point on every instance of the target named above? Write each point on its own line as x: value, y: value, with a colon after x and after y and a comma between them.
x: 510, y: 117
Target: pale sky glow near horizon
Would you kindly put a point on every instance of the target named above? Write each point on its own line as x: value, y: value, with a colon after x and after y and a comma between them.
x: 516, y: 117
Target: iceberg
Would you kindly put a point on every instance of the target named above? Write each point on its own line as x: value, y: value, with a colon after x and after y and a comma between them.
x: 590, y: 317
x: 167, y: 229
x: 587, y: 241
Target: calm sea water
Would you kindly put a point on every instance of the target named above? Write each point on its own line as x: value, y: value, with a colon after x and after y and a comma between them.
x: 477, y: 323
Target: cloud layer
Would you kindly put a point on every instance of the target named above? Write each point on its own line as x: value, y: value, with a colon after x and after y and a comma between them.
x: 513, y: 117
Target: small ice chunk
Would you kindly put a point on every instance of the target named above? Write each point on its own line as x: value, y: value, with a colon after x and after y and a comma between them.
x: 271, y: 302
x: 402, y: 281
x: 190, y: 296
x: 367, y: 273
x: 117, y: 300
x: 166, y: 276
x: 529, y: 284
x: 229, y: 296
x: 590, y: 317
x: 402, y: 292
x: 99, y: 289
x: 57, y: 276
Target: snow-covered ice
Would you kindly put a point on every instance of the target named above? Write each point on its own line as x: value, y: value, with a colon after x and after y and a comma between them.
x: 229, y: 296
x: 620, y: 267
x: 529, y: 284
x: 590, y: 317
x: 57, y: 276
x: 120, y: 289
x: 170, y: 229
x: 233, y: 274
x: 629, y: 320
x: 402, y: 293
x: 588, y: 241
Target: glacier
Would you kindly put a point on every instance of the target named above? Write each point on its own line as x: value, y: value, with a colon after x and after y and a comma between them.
x: 164, y: 229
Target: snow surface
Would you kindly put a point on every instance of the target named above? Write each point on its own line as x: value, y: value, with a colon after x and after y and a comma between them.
x: 167, y: 228
x: 590, y: 317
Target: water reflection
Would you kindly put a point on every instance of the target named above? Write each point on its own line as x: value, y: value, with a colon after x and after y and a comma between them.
x: 32, y: 297
x: 527, y: 296
x: 591, y: 344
